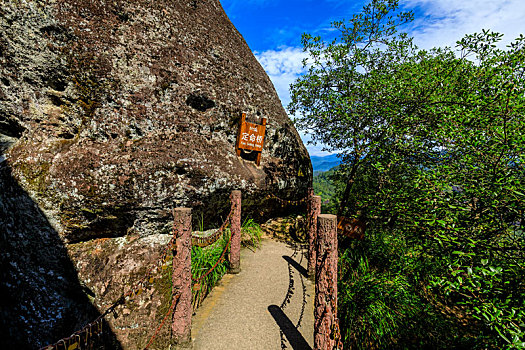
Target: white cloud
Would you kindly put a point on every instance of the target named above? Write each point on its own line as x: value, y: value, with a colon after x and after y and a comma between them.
x: 283, y: 66
x: 443, y: 22
x: 439, y: 23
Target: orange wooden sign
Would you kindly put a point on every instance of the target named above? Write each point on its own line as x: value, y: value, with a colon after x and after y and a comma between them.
x: 351, y: 228
x: 251, y: 137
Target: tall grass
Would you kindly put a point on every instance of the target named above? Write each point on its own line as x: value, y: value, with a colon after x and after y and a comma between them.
x: 251, y: 233
x: 203, y: 259
x: 383, y: 304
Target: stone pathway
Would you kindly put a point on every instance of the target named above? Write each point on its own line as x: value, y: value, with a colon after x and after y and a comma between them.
x: 268, y: 305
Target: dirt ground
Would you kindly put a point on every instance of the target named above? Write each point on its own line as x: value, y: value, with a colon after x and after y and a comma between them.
x: 268, y: 305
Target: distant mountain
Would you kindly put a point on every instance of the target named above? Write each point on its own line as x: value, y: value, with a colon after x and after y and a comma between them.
x: 325, y: 163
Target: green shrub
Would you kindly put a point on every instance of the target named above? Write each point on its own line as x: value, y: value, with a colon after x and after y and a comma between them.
x: 251, y: 233
x: 202, y: 260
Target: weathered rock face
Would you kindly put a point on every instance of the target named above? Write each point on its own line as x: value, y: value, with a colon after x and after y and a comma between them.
x: 124, y: 109
x: 112, y: 113
x: 110, y: 266
x: 286, y: 229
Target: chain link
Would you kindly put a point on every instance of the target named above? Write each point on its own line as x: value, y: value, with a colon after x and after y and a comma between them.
x: 170, y: 310
x: 287, y: 201
x: 197, y: 280
x: 336, y: 334
x: 206, y: 241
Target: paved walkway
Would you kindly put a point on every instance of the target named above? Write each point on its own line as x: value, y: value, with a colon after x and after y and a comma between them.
x: 268, y: 305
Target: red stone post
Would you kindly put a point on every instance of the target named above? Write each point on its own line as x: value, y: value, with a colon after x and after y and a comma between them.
x: 314, y: 209
x: 326, y: 325
x: 235, y: 248
x: 181, y: 321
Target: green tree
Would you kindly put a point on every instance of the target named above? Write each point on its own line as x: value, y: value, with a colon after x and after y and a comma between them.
x: 323, y: 186
x: 433, y: 144
x: 342, y: 99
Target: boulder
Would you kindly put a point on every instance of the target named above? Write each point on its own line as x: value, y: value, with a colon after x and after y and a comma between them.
x: 111, y: 114
x: 287, y: 229
x: 41, y: 297
x: 125, y: 109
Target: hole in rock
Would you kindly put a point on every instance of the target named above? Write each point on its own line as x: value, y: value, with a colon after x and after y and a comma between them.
x: 199, y: 102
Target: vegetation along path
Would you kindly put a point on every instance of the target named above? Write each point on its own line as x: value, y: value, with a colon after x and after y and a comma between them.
x: 268, y: 305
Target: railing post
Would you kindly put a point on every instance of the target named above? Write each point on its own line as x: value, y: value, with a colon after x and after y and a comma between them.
x: 326, y: 325
x: 314, y: 209
x: 235, y: 248
x: 181, y: 277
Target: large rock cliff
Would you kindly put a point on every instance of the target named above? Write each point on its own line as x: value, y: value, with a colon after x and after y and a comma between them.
x: 112, y: 113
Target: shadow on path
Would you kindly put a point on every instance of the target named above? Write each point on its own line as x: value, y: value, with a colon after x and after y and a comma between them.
x: 296, y: 265
x: 287, y: 328
x: 295, y: 338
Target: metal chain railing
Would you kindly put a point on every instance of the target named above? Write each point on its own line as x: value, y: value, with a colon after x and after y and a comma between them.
x: 284, y: 202
x: 170, y: 310
x: 206, y: 241
x: 83, y: 336
x: 200, y: 242
x: 200, y: 278
x: 336, y: 335
x: 197, y: 280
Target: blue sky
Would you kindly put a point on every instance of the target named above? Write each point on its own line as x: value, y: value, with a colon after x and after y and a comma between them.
x: 270, y: 24
x: 273, y: 28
